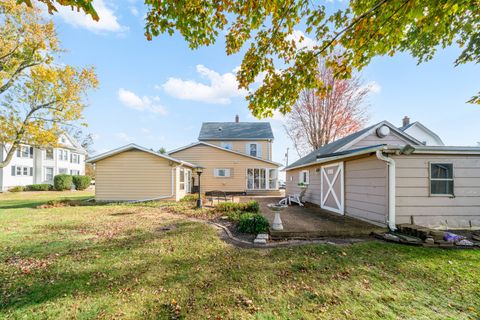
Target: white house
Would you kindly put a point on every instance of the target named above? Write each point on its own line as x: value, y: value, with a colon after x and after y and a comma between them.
x: 32, y: 165
x: 421, y: 133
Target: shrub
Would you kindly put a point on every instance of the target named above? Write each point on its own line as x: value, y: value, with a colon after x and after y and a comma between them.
x: 16, y: 189
x: 252, y: 223
x: 190, y: 198
x: 39, y: 187
x: 251, y: 206
x: 62, y: 182
x: 81, y: 182
x: 229, y: 207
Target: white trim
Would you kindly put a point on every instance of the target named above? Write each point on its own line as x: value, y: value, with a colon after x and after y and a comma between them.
x: 226, y: 150
x: 339, y: 199
x: 392, y: 184
x: 226, y: 170
x: 430, y: 132
x: 134, y: 146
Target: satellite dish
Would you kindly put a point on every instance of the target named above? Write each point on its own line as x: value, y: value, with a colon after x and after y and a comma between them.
x: 383, y: 131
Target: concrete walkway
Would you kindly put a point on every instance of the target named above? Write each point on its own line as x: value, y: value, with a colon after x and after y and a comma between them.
x: 312, y: 222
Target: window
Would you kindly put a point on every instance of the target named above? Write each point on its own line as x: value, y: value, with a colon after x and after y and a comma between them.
x: 25, y: 152
x: 63, y: 155
x: 48, y: 174
x: 272, y: 178
x: 22, y: 171
x: 304, y: 177
x: 253, y: 149
x: 75, y: 172
x: 182, y: 179
x: 49, y: 154
x: 441, y: 179
x: 62, y: 170
x: 222, y: 173
x: 74, y: 158
x: 226, y: 145
x: 256, y: 179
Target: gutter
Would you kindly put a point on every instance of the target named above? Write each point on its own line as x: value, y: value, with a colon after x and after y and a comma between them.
x: 391, y: 188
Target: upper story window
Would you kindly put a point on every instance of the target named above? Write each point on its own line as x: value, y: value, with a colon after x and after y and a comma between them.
x: 441, y: 179
x: 63, y: 155
x: 253, y: 149
x: 49, y: 154
x: 25, y: 152
x: 74, y: 158
x: 226, y: 145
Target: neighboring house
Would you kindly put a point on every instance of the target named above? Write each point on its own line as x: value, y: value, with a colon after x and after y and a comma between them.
x: 136, y: 173
x: 385, y: 176
x: 235, y: 157
x: 421, y: 133
x: 32, y: 165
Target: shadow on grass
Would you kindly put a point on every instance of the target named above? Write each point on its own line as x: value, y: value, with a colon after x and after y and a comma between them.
x: 31, y: 204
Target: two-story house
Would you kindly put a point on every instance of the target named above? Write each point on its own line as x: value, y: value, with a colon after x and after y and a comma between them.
x: 235, y: 157
x: 31, y: 165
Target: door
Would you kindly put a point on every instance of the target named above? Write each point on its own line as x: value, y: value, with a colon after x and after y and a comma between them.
x: 332, y: 188
x: 256, y: 179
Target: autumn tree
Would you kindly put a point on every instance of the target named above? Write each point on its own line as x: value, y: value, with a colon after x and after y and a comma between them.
x: 320, y: 117
x: 347, y: 38
x: 37, y: 96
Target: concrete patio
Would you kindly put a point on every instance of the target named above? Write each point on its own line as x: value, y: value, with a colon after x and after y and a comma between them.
x: 312, y: 222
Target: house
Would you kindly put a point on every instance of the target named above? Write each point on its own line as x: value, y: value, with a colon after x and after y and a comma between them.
x: 235, y: 157
x: 421, y: 132
x: 32, y: 165
x: 385, y: 176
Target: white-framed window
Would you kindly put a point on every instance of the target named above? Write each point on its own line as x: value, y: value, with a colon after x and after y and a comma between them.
x: 48, y: 174
x: 272, y: 178
x: 62, y: 170
x: 441, y: 179
x: 75, y: 172
x: 221, y: 173
x: 63, y: 155
x: 182, y: 179
x: 49, y: 154
x: 226, y: 145
x: 252, y: 149
x: 74, y: 158
x: 25, y: 152
x: 22, y: 171
x: 304, y: 177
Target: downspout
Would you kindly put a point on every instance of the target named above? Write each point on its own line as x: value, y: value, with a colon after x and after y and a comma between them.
x: 391, y: 189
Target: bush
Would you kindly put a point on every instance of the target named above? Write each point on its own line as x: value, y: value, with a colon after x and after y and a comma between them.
x: 81, y: 182
x: 252, y: 223
x: 62, y: 182
x: 38, y: 187
x: 230, y: 207
x: 190, y: 198
x: 16, y: 189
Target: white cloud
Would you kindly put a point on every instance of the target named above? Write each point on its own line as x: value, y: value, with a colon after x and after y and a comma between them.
x: 133, y: 101
x: 124, y: 137
x: 95, y: 136
x: 134, y: 11
x: 374, y: 87
x: 108, y: 20
x: 220, y: 89
x: 301, y: 40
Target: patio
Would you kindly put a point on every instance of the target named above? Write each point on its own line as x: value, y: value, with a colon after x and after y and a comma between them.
x: 311, y: 222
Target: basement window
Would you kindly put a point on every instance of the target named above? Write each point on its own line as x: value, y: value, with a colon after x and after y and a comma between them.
x: 441, y: 179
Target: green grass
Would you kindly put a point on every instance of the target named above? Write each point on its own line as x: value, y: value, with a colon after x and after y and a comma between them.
x: 116, y: 261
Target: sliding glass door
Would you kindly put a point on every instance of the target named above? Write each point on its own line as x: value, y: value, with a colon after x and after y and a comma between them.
x: 261, y: 179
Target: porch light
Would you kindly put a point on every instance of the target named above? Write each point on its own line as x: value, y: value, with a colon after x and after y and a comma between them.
x: 199, y: 200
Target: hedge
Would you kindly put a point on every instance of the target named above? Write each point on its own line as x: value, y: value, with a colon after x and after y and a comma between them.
x: 62, y: 182
x: 81, y: 182
x: 228, y: 207
x: 16, y: 189
x: 252, y: 223
x: 39, y: 187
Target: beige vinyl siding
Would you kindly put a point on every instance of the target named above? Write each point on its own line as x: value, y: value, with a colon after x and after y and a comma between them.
x: 365, y: 188
x: 372, y: 139
x: 132, y: 175
x: 212, y: 158
x: 240, y: 146
x: 413, y: 199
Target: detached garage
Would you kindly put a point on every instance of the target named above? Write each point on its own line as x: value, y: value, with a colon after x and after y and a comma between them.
x: 134, y: 173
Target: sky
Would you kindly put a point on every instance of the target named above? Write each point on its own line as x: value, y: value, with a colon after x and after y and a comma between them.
x: 158, y: 93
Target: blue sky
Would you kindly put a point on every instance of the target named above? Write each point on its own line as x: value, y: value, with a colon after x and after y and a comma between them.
x: 158, y: 93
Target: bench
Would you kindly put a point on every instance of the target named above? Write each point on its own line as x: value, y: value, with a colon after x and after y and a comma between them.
x: 217, y: 195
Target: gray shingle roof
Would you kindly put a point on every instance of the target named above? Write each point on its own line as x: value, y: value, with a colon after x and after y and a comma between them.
x: 329, y: 148
x: 236, y: 131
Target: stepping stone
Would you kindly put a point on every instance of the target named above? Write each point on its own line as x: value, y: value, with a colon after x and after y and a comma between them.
x: 259, y: 241
x: 262, y: 236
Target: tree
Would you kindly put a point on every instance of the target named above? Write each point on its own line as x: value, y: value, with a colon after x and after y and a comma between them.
x: 37, y: 97
x: 85, y: 5
x: 318, y: 118
x: 348, y: 38
x: 85, y: 139
x: 162, y: 150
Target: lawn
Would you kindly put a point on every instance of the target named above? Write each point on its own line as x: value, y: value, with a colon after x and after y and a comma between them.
x: 134, y: 261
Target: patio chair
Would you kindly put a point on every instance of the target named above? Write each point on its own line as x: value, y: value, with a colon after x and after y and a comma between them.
x: 296, y: 198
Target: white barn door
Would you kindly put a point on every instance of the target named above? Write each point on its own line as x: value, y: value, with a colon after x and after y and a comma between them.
x: 332, y: 188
